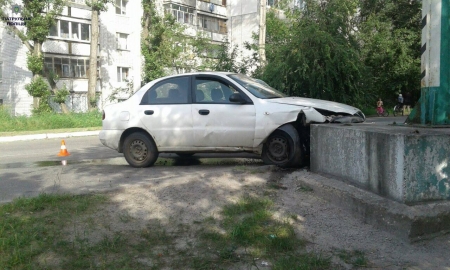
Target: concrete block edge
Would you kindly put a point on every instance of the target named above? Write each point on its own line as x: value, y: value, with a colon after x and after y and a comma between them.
x: 48, y: 136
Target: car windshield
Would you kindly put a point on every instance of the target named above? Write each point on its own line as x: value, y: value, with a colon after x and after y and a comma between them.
x: 258, y: 88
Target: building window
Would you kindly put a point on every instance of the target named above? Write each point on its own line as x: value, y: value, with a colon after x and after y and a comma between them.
x: 299, y: 4
x: 217, y: 2
x: 122, y: 74
x: 81, y: 2
x: 121, y: 7
x: 79, y: 68
x: 75, y: 30
x: 180, y: 13
x: 85, y: 31
x: 212, y: 24
x: 122, y: 41
x: 54, y: 30
x: 272, y: 3
x: 64, y: 29
x: 71, y: 30
x: 66, y: 67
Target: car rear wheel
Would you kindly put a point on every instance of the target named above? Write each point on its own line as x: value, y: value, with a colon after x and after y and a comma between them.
x: 281, y: 150
x: 139, y: 150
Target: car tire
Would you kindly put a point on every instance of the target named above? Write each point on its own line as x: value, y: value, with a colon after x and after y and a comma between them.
x: 139, y: 150
x: 280, y: 150
x: 184, y: 155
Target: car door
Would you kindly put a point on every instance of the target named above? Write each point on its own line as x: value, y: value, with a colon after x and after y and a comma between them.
x: 165, y: 111
x: 217, y: 122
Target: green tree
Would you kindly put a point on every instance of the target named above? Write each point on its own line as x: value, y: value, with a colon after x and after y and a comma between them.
x: 230, y: 58
x: 162, y: 47
x: 41, y: 14
x: 390, y: 36
x: 167, y: 49
x: 314, y: 52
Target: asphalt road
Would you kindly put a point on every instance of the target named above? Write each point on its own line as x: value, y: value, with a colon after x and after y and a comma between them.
x: 28, y: 168
x: 90, y: 148
x: 80, y: 148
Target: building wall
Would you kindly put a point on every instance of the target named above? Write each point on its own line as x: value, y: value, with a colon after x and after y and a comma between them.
x: 13, y: 56
x: 111, y: 57
x: 243, y: 22
x: 15, y: 74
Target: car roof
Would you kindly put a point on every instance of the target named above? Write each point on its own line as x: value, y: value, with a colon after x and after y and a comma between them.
x: 197, y: 73
x: 223, y: 73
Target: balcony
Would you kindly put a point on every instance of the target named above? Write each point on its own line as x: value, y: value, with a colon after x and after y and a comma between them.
x: 216, y: 2
x: 212, y: 8
x: 190, y: 3
x: 80, y: 2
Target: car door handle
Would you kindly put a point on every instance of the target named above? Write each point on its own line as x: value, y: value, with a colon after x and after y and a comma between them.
x: 203, y: 112
x: 148, y: 112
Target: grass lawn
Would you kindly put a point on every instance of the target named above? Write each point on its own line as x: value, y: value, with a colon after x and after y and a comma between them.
x: 74, y: 232
x: 13, y: 125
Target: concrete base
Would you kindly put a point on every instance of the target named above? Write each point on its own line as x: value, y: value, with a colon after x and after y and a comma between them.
x: 411, y: 223
x: 410, y: 165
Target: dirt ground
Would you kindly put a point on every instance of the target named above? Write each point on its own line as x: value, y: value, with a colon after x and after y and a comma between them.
x: 328, y: 229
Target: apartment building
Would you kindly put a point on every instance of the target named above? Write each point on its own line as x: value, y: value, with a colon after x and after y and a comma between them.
x: 66, y: 53
x: 67, y: 49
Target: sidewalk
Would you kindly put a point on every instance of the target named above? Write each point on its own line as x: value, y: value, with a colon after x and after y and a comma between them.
x: 48, y: 136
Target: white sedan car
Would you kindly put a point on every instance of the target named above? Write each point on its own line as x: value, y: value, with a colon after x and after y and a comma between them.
x: 216, y: 112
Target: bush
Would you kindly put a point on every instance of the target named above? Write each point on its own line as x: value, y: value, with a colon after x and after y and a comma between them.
x: 38, y: 88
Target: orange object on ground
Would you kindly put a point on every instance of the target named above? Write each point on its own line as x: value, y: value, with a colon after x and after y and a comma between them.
x: 63, y: 152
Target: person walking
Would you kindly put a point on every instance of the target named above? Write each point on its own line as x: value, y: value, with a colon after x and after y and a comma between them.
x: 379, y: 106
x: 400, y: 101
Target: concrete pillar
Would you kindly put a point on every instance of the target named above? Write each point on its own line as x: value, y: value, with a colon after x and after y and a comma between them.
x: 433, y: 107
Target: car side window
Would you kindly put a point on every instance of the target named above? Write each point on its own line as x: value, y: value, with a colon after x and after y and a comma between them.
x: 171, y: 91
x: 213, y: 91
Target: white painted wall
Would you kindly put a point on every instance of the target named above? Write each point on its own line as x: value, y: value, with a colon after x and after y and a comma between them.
x: 111, y: 58
x: 431, y: 38
x: 243, y: 22
x: 15, y: 74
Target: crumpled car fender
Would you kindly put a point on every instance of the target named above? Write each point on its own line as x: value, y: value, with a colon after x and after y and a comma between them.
x: 271, y: 122
x: 311, y: 115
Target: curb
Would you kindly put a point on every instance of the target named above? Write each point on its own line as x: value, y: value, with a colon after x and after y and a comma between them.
x: 48, y: 136
x: 409, y: 222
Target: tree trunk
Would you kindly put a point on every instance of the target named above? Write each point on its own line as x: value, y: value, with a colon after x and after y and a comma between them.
x: 145, y: 30
x: 64, y: 108
x: 37, y: 52
x: 92, y: 76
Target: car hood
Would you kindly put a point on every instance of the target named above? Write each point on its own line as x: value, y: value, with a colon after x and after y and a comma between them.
x: 317, y: 104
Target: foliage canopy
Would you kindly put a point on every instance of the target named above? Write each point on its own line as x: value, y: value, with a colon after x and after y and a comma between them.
x: 345, y: 50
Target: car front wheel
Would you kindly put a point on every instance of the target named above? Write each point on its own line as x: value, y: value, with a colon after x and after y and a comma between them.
x: 281, y: 150
x: 139, y: 150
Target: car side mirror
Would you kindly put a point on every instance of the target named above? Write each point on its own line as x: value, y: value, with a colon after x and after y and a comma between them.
x: 237, y: 98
